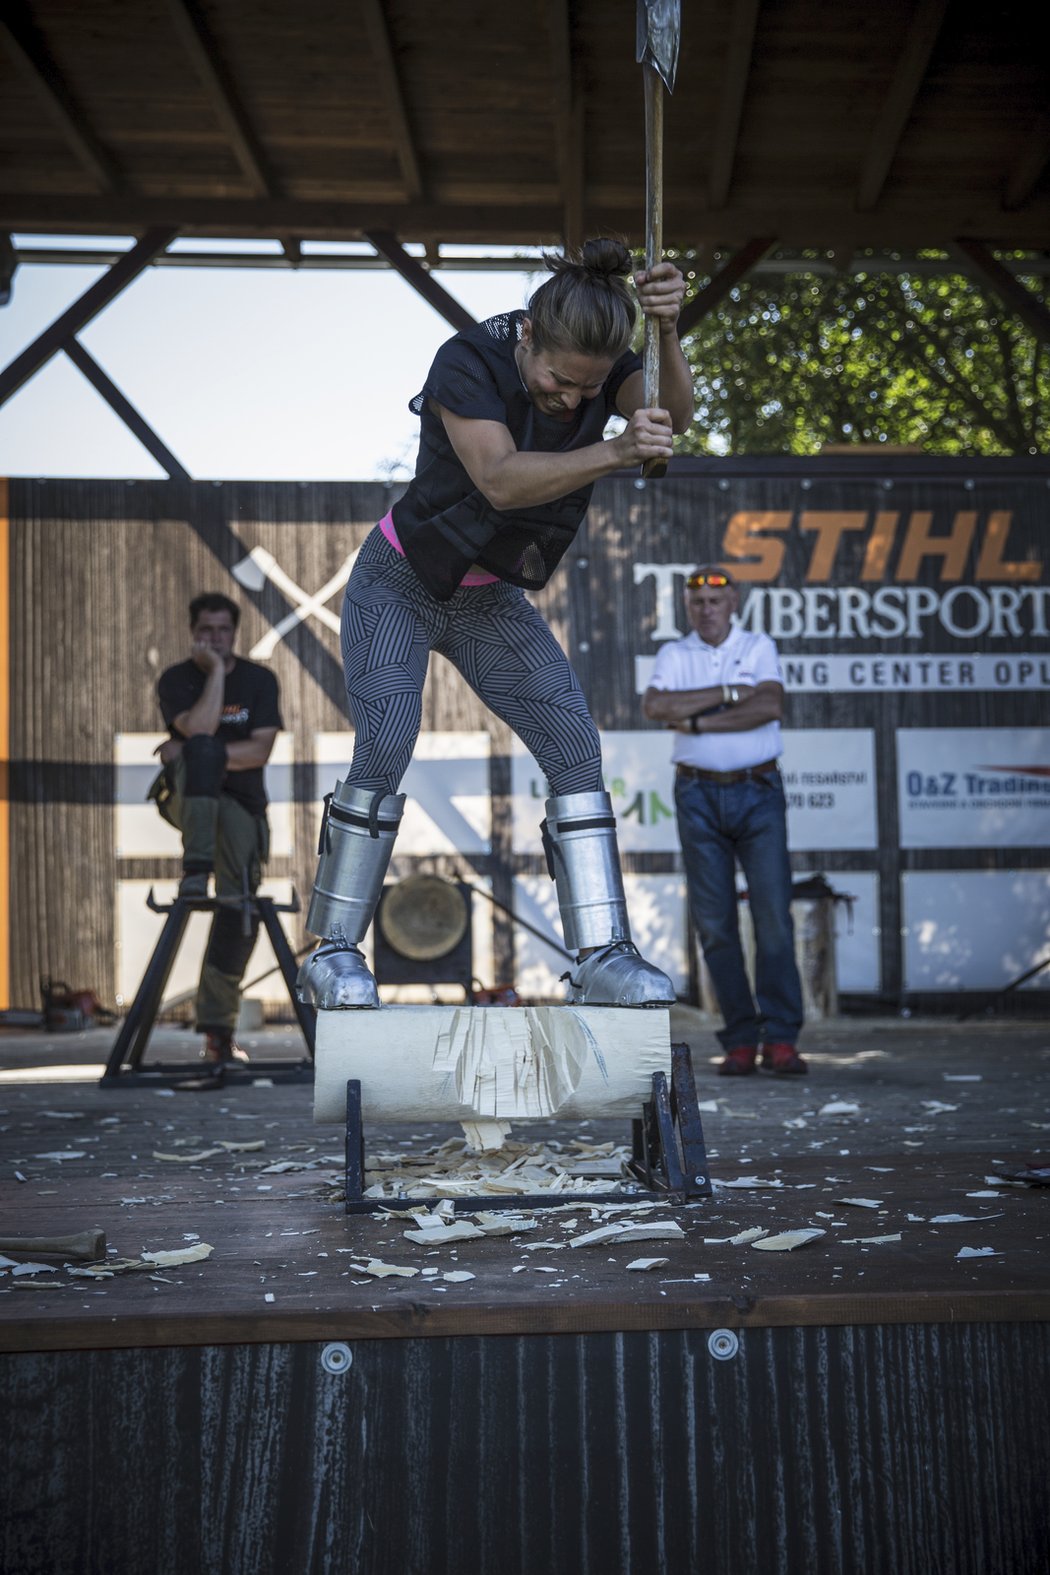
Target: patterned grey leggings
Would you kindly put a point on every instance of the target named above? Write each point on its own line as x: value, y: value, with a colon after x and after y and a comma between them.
x: 496, y: 639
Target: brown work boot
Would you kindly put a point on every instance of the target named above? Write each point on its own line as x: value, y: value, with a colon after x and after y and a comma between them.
x: 217, y: 1053
x: 783, y: 1059
x: 739, y: 1062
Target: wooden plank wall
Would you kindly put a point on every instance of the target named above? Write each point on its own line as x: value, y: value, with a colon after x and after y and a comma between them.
x: 101, y: 572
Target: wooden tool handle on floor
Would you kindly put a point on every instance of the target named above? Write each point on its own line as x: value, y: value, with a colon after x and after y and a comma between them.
x: 87, y: 1246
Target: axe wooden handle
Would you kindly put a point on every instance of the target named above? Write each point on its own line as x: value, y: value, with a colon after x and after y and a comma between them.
x: 653, y: 469
x: 87, y: 1246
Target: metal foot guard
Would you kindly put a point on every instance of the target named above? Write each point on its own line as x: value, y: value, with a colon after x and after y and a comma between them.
x: 668, y: 1163
x: 127, y: 1052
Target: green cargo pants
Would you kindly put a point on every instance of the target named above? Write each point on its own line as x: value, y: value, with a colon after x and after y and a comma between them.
x: 218, y: 833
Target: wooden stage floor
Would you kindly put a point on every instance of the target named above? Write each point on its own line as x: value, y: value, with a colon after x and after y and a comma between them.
x: 941, y: 1107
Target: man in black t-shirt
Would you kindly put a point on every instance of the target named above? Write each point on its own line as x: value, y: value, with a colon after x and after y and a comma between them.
x: 223, y: 714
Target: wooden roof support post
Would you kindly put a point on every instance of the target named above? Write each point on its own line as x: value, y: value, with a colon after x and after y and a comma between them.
x: 377, y: 27
x: 122, y: 406
x: 739, y: 265
x: 200, y: 47
x: 1025, y: 175
x: 900, y: 100
x: 567, y: 113
x: 731, y: 102
x: 77, y: 316
x: 387, y: 245
x: 1006, y: 286
x: 8, y: 264
x: 29, y: 52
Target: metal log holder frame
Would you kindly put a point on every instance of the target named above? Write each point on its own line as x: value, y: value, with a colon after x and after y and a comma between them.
x: 668, y: 1160
x: 125, y: 1058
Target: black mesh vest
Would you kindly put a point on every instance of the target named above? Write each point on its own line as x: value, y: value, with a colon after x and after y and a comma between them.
x: 444, y: 524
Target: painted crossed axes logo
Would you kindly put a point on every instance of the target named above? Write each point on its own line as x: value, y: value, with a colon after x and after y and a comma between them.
x: 261, y: 566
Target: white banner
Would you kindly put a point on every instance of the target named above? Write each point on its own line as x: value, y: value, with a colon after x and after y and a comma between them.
x: 448, y: 807
x: 974, y: 787
x: 975, y: 929
x: 1026, y: 671
x: 139, y: 831
x: 829, y: 782
x: 829, y: 779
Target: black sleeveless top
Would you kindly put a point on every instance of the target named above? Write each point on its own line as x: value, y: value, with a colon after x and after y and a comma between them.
x: 444, y: 524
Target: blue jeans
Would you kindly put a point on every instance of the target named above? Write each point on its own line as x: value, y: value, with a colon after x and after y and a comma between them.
x: 717, y: 826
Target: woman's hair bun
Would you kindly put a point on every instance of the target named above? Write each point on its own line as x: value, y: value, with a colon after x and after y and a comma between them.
x: 606, y: 255
x: 586, y: 305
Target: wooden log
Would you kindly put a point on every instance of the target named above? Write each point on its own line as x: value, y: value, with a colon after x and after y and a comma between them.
x: 445, y: 1063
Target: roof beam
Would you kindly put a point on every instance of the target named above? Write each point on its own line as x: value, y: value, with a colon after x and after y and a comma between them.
x: 1011, y: 290
x: 899, y: 103
x: 567, y: 109
x: 387, y: 245
x: 200, y: 46
x: 77, y: 316
x: 715, y: 291
x: 29, y: 52
x: 534, y: 217
x: 744, y: 20
x: 389, y: 78
x: 122, y: 406
x: 1024, y: 177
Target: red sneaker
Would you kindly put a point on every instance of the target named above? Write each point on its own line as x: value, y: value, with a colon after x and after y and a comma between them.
x: 739, y: 1062
x: 783, y: 1059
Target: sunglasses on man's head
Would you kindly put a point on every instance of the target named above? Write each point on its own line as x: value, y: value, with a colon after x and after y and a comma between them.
x: 717, y: 580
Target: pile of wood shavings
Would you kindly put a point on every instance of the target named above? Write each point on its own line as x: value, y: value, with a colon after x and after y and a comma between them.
x: 453, y: 1170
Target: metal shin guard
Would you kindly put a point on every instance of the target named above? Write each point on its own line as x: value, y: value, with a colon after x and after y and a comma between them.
x: 579, y: 838
x: 357, y: 839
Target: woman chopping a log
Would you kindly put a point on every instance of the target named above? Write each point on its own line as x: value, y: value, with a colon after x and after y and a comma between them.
x: 512, y: 415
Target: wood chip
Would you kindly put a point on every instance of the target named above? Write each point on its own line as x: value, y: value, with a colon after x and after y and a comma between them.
x: 656, y: 1231
x: 438, y: 1235
x: 788, y: 1240
x: 189, y: 1159
x: 194, y: 1254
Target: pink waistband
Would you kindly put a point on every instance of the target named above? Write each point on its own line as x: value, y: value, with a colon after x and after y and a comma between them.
x: 474, y: 578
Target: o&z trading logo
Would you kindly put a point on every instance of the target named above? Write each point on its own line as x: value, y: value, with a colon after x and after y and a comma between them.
x: 948, y: 789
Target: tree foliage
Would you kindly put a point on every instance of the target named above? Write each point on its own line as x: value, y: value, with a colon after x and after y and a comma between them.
x: 789, y: 363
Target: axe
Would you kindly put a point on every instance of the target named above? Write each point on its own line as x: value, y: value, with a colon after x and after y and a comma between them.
x: 659, y: 26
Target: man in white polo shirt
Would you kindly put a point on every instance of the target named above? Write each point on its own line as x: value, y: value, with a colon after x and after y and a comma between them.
x: 721, y: 689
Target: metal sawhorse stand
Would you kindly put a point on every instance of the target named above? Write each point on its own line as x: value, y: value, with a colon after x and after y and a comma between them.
x: 668, y: 1160
x: 127, y: 1052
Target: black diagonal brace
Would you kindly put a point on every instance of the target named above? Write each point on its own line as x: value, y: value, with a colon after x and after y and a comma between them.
x: 77, y: 316
x: 122, y: 406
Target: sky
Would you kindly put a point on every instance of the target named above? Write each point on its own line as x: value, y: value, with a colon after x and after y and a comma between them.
x: 243, y: 373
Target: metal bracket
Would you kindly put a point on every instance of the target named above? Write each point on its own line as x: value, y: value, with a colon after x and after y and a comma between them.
x: 669, y: 1156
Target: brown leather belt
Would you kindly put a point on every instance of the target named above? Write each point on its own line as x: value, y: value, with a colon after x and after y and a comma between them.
x: 727, y: 778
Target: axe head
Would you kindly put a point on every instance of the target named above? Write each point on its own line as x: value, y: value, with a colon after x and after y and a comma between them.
x: 659, y: 28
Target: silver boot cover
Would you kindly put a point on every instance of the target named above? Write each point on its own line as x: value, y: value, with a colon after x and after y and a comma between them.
x: 357, y: 839
x: 580, y: 837
x: 580, y: 841
x: 336, y: 977
x: 618, y: 975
